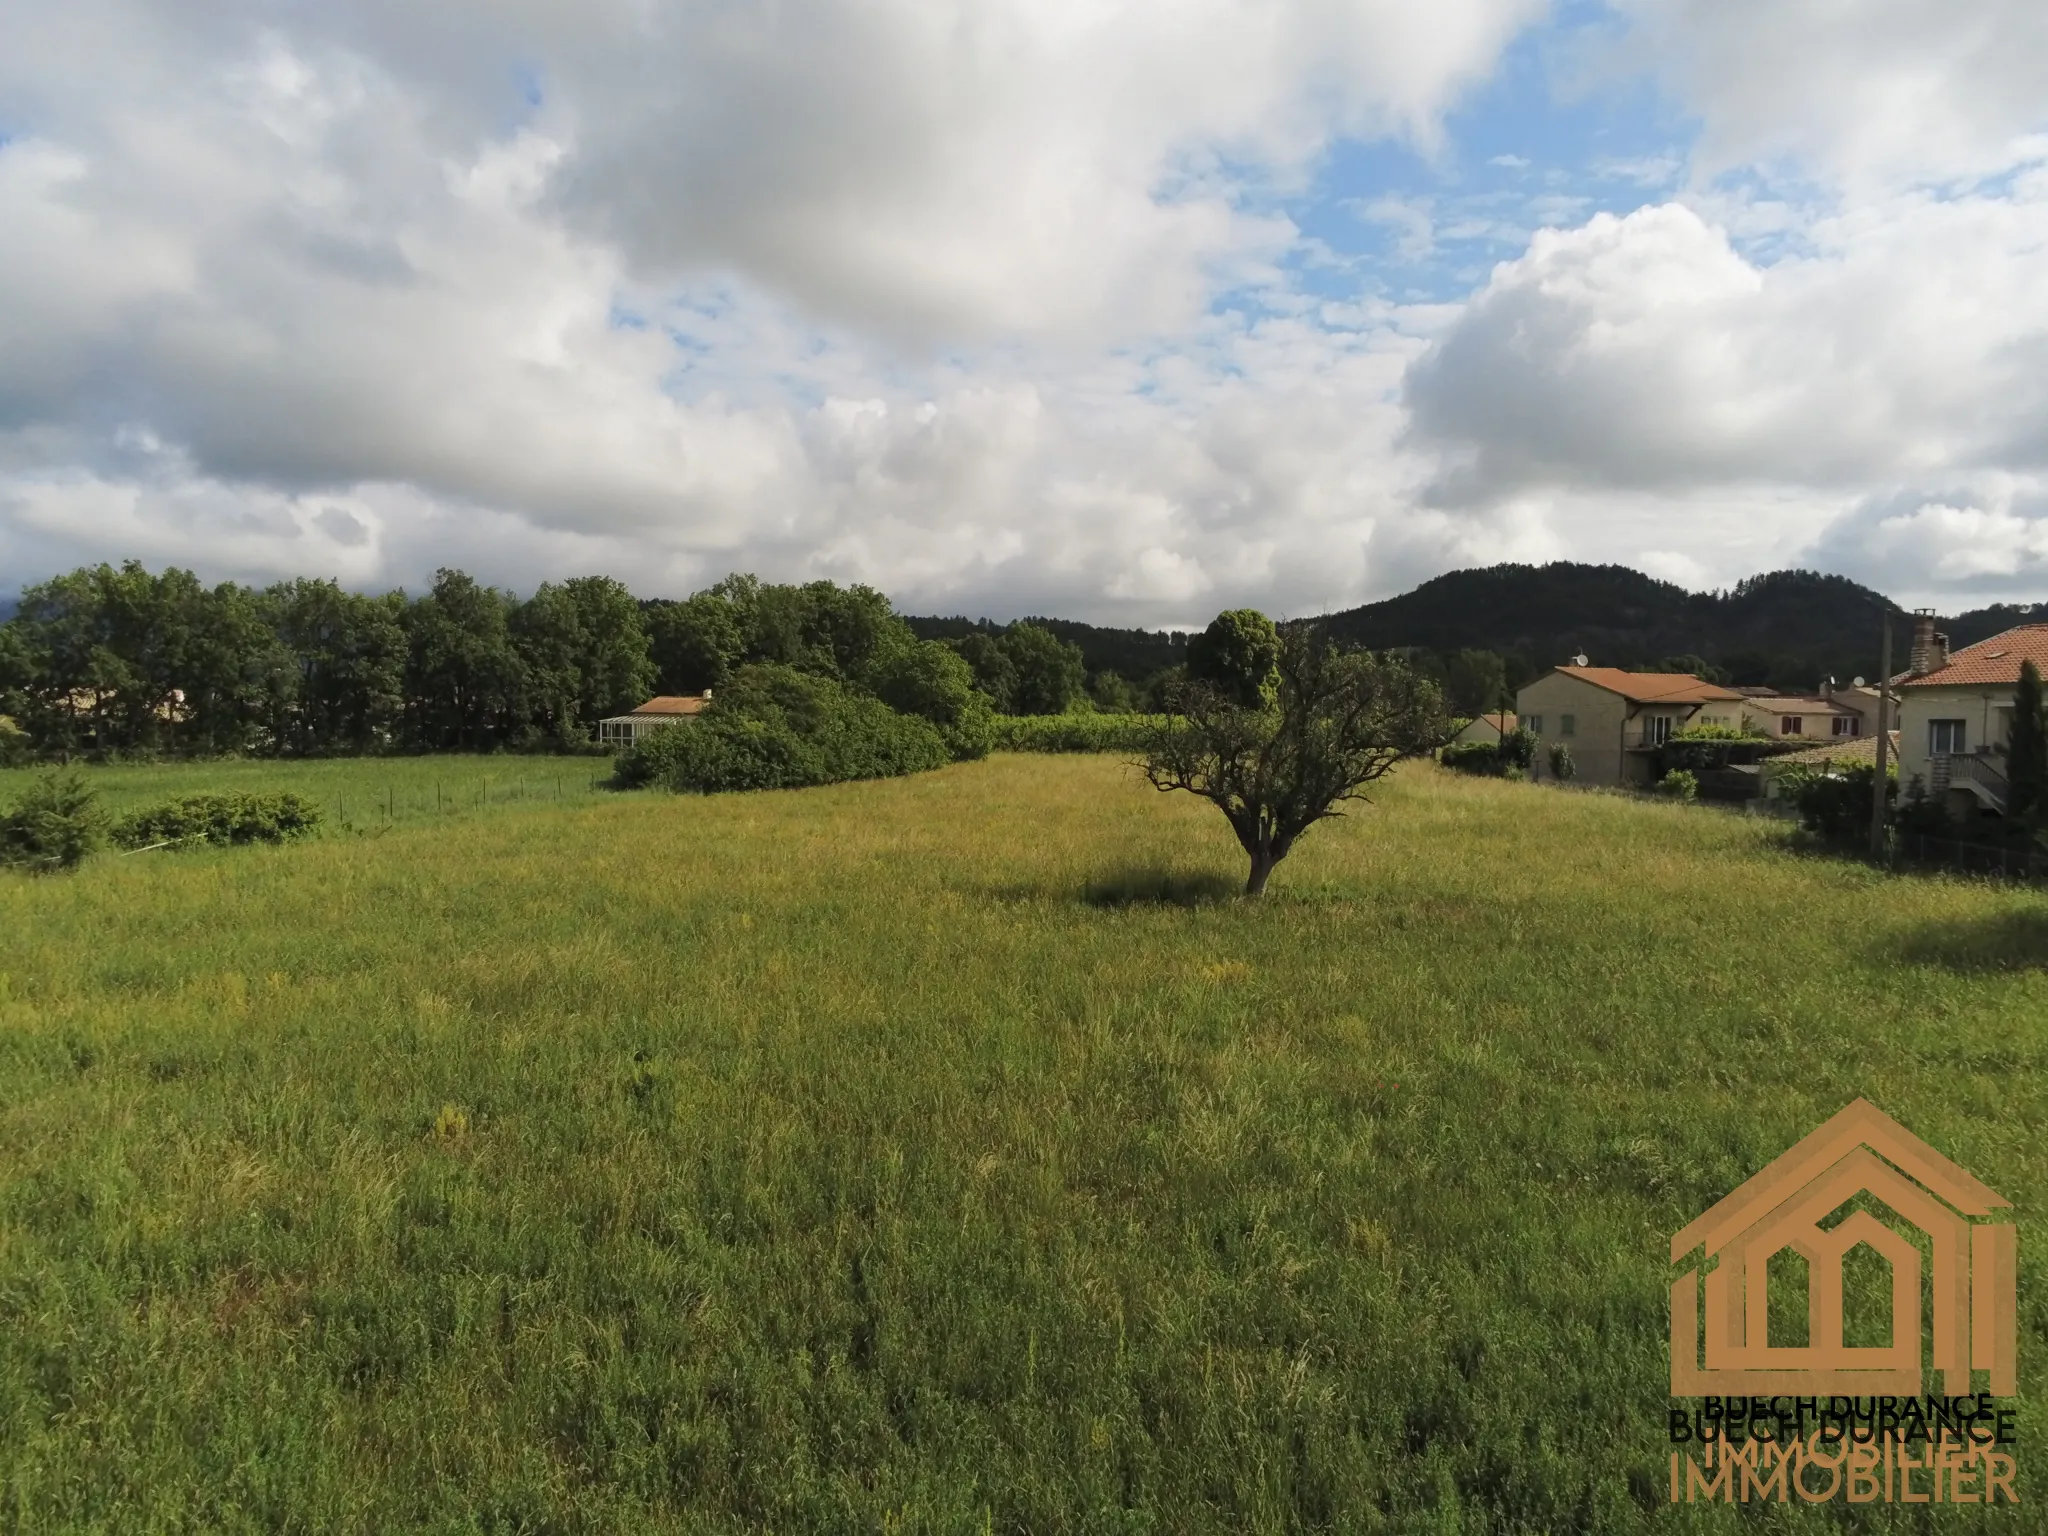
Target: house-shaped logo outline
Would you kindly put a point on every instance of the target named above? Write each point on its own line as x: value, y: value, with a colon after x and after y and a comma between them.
x: 1860, y: 1150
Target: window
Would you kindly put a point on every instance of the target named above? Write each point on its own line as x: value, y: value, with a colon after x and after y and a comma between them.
x: 1794, y: 725
x: 1533, y: 724
x: 1568, y: 725
x: 1849, y: 725
x: 1944, y: 736
x: 1657, y: 730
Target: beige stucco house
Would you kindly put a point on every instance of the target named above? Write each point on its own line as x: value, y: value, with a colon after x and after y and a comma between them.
x: 1614, y: 721
x: 1803, y: 718
x: 1955, y: 713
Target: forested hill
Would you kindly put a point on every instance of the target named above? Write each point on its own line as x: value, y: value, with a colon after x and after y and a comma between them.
x: 1983, y: 623
x: 1785, y: 629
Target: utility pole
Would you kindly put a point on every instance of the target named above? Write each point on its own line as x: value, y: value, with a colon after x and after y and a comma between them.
x: 1881, y: 780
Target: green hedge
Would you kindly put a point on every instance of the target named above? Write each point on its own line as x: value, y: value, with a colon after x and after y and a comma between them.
x: 1074, y: 733
x: 1481, y: 757
x: 1515, y: 751
x: 1836, y: 804
x: 776, y: 728
x: 231, y: 818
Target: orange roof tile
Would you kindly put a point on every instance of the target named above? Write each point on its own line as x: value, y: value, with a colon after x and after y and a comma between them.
x: 1802, y: 704
x: 670, y: 704
x: 1993, y: 661
x: 1654, y: 687
x: 1844, y: 749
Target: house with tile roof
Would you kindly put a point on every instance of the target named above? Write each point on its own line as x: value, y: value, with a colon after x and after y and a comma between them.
x: 1809, y: 717
x: 1955, y: 713
x: 1489, y: 728
x: 1830, y: 757
x: 663, y: 710
x: 1614, y: 721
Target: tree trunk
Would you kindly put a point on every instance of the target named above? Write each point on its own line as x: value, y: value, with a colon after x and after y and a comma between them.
x: 1262, y: 866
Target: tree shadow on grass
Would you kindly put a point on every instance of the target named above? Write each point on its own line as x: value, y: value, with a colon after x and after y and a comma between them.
x: 1157, y: 886
x: 2009, y: 941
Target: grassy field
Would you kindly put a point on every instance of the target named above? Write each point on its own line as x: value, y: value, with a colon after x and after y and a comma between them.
x: 945, y: 1154
x: 362, y: 791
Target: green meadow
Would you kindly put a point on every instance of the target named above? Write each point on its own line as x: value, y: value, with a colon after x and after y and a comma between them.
x: 949, y: 1154
x: 362, y: 792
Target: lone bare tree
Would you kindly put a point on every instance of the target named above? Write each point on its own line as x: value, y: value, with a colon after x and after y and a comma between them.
x: 1327, y: 724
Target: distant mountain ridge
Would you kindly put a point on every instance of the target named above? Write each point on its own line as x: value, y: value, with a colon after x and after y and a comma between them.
x: 1783, y: 629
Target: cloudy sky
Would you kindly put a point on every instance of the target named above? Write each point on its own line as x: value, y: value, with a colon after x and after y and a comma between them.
x: 1122, y: 309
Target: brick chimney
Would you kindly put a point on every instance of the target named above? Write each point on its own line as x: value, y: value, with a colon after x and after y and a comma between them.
x: 1922, y: 661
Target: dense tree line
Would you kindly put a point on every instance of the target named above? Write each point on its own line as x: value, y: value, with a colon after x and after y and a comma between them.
x: 1122, y: 670
x: 110, y: 660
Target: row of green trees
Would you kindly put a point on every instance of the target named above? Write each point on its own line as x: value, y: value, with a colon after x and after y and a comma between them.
x: 110, y: 660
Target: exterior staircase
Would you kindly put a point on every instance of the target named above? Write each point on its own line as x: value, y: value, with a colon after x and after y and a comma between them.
x: 1973, y: 773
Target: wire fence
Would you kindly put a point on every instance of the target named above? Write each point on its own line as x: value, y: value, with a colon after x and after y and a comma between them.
x: 374, y: 804
x: 2001, y: 860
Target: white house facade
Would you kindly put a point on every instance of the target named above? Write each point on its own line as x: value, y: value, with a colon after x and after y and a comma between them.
x: 1955, y: 713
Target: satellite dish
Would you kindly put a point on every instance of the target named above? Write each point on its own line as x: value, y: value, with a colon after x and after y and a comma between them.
x: 1857, y: 682
x: 1579, y: 660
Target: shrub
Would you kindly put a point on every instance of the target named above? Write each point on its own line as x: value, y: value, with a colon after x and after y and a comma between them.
x: 1471, y: 757
x: 729, y: 751
x: 773, y: 727
x: 648, y: 760
x: 54, y: 826
x: 1073, y: 733
x: 1701, y: 747
x: 15, y: 747
x: 866, y: 739
x: 1679, y: 785
x: 1835, y: 805
x: 933, y: 682
x: 1518, y: 749
x: 234, y: 818
x: 1925, y: 815
x: 1562, y: 767
x: 973, y: 733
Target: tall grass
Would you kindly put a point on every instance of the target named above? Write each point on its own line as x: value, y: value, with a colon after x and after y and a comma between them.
x: 358, y: 790
x: 940, y: 1154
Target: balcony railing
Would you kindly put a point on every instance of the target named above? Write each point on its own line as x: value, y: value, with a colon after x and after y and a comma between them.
x: 1960, y: 770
